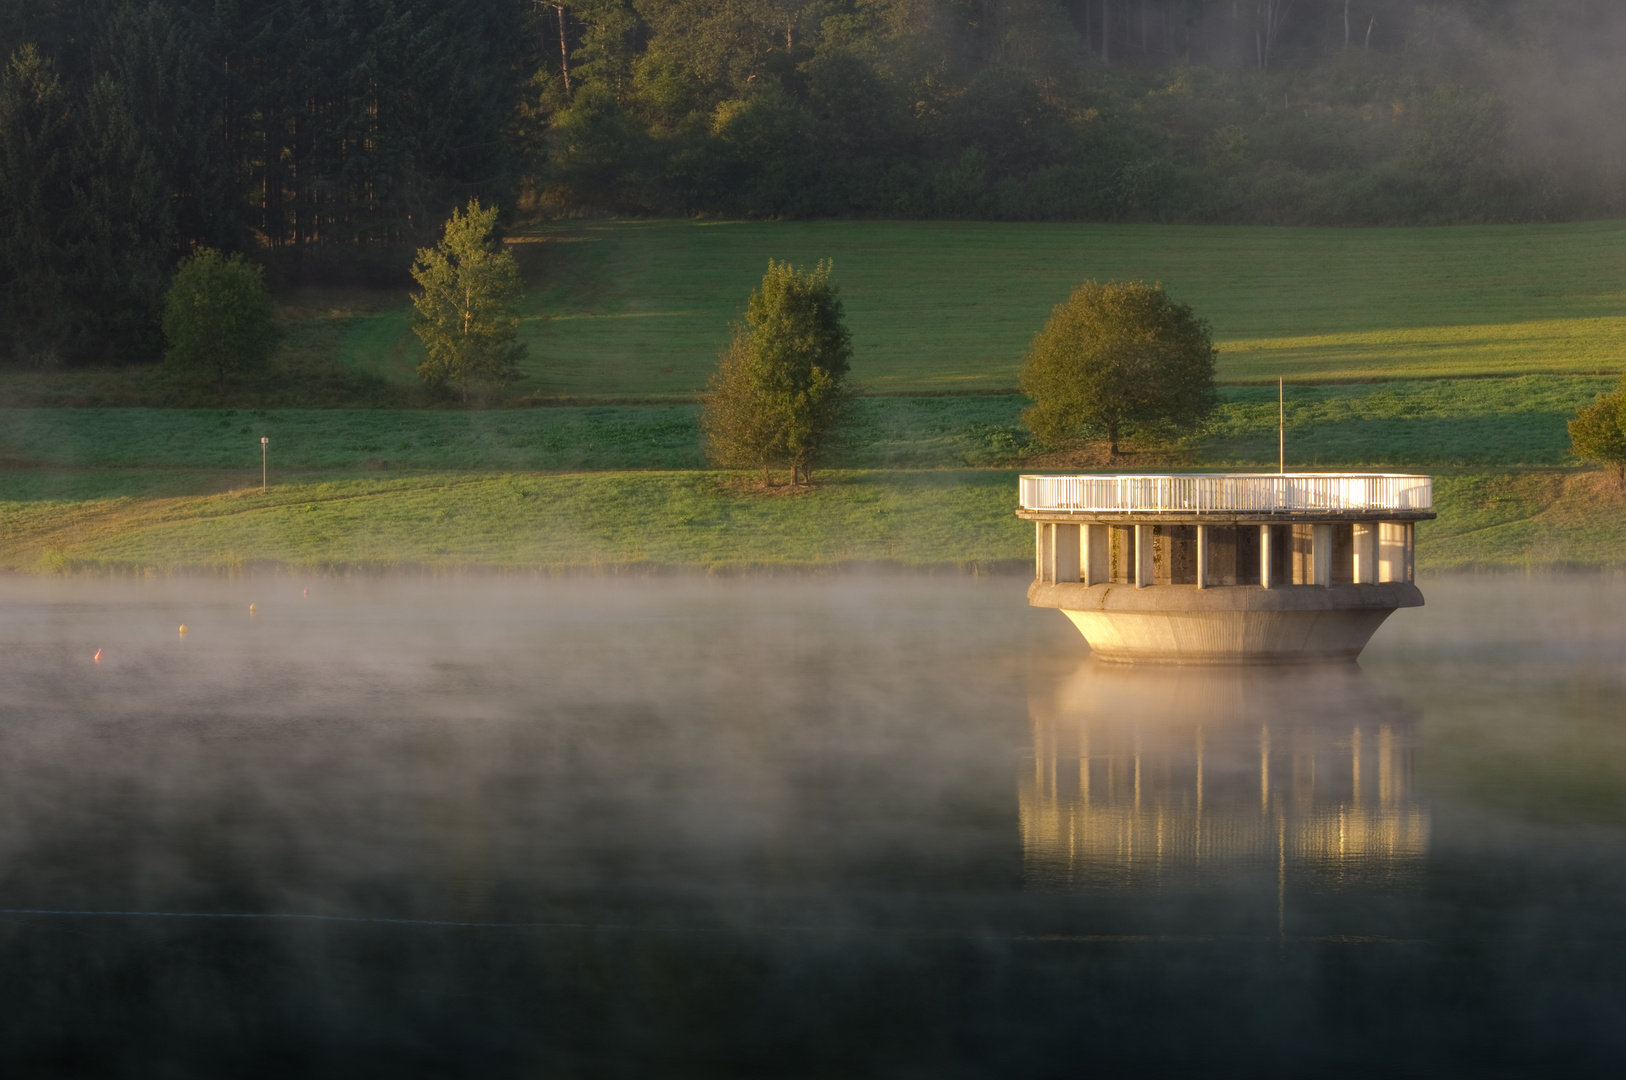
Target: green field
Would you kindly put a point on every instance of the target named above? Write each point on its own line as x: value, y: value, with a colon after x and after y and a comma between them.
x: 581, y: 521
x: 640, y: 309
x: 1414, y: 423
x: 1377, y: 330
x: 699, y: 520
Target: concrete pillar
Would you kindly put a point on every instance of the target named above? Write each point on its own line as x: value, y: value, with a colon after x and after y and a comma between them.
x: 1041, y: 550
x: 1264, y: 557
x: 1096, y: 554
x: 1321, y: 556
x: 1366, y: 554
x: 1143, y: 556
x: 1064, y: 552
x: 1411, y: 551
x: 1202, y: 556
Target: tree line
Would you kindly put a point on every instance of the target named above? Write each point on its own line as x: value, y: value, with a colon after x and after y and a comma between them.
x: 328, y: 141
x: 325, y: 139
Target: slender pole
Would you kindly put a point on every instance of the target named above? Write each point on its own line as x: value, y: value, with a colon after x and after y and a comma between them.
x: 263, y: 442
x: 1281, y: 426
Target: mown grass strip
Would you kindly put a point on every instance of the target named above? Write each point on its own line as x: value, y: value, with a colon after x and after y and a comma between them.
x: 700, y: 520
x: 580, y: 521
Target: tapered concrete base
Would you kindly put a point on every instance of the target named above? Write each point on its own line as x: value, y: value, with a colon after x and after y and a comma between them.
x: 1181, y: 624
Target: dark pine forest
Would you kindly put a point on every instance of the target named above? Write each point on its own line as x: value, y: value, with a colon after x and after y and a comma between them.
x: 328, y: 139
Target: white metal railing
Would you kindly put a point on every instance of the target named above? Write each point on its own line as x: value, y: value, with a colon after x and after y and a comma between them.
x: 1228, y: 492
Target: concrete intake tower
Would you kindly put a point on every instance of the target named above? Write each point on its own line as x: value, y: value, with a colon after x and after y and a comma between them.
x: 1218, y: 568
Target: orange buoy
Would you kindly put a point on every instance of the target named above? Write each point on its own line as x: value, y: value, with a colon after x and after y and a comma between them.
x: 252, y: 609
x: 183, y: 629
x: 98, y: 656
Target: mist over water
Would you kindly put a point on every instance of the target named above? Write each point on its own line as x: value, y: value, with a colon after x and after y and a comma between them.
x: 882, y: 826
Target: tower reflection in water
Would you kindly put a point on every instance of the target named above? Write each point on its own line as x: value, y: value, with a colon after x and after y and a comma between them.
x: 1145, y: 776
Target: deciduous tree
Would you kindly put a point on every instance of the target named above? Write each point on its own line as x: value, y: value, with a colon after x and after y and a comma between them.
x: 1119, y: 357
x: 1598, y: 432
x: 466, y: 318
x: 218, y: 317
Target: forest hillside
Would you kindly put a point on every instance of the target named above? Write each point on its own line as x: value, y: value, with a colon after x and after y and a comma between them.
x: 329, y: 140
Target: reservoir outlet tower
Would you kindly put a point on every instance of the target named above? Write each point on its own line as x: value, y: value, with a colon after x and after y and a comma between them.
x: 1217, y: 568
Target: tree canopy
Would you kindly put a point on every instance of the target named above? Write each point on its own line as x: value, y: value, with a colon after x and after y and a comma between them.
x: 780, y: 388
x: 1598, y: 432
x: 218, y: 317
x: 466, y: 319
x: 1118, y: 358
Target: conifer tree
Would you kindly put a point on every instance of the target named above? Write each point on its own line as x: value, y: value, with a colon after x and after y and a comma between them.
x: 36, y: 134
x: 780, y: 389
x: 119, y: 240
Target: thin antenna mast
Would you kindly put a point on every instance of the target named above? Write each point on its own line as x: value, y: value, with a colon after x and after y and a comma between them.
x: 1281, y: 426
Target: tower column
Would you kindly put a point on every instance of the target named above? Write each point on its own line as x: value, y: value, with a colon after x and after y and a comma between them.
x: 1265, y: 557
x: 1143, y: 556
x: 1202, y: 556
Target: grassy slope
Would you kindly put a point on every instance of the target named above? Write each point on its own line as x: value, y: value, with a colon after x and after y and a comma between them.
x: 173, y: 488
x: 637, y: 310
x: 582, y: 520
x: 641, y: 308
x: 679, y: 518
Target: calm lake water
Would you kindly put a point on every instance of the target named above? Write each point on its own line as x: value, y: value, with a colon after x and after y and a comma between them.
x: 797, y: 827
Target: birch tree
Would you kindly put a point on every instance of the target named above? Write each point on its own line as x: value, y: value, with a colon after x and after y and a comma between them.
x: 466, y: 318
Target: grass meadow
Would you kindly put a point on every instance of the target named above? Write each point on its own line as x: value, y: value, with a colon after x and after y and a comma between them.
x: 698, y: 520
x: 584, y: 521
x: 1410, y: 423
x: 1459, y: 351
x: 640, y: 309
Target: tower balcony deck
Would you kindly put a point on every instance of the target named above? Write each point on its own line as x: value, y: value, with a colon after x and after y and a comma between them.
x: 1226, y: 567
x: 1232, y: 497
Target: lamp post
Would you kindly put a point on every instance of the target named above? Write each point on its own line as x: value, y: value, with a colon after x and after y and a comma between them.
x: 263, y: 442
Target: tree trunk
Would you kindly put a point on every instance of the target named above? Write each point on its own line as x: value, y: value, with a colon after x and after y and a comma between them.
x: 564, y: 50
x: 1106, y: 50
x: 1346, y: 25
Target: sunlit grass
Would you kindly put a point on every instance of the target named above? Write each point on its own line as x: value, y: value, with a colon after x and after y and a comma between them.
x: 681, y: 519
x: 639, y: 309
x: 583, y: 521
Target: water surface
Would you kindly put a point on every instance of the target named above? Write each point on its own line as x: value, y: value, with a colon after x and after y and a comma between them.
x: 888, y: 827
